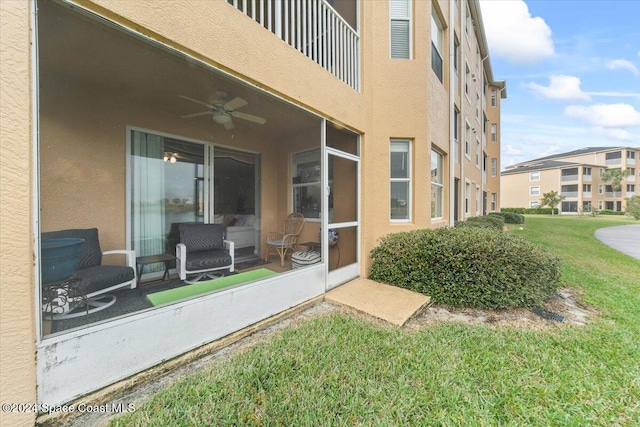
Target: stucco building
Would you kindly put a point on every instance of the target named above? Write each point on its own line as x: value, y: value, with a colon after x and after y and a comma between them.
x: 577, y: 175
x: 368, y: 117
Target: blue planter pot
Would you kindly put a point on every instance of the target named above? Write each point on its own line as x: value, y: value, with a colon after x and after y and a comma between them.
x: 59, y: 258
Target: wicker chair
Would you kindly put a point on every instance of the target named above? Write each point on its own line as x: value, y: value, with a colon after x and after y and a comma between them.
x: 286, y: 239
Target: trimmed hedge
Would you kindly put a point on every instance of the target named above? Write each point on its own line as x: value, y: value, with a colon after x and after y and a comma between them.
x: 467, y: 267
x: 509, y: 217
x: 496, y: 223
x: 531, y: 211
x: 610, y: 212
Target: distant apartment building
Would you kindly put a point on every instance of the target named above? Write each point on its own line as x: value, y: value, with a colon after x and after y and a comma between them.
x: 576, y: 175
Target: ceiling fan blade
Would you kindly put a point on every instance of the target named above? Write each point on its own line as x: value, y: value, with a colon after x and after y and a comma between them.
x: 235, y: 103
x: 250, y: 117
x: 196, y: 101
x: 188, y: 116
x: 229, y: 126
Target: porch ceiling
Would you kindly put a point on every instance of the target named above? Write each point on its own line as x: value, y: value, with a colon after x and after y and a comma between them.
x: 78, y: 49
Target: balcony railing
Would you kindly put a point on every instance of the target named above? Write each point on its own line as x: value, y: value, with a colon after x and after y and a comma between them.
x: 570, y: 193
x: 315, y: 29
x: 611, y: 194
x: 631, y: 161
x: 613, y: 161
x: 586, y: 194
x: 565, y: 178
x: 631, y: 178
x: 587, y: 178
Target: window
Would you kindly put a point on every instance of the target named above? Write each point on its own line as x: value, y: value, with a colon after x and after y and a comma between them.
x: 400, y: 28
x: 614, y: 155
x: 467, y: 79
x: 456, y: 55
x: 468, y: 23
x: 400, y: 164
x: 586, y: 206
x: 600, y: 189
x: 477, y: 153
x: 437, y: 184
x: 631, y: 188
x: 534, y: 191
x: 467, y: 144
x: 494, y: 132
x: 600, y: 204
x: 586, y: 188
x: 534, y: 204
x: 569, y: 206
x: 494, y: 201
x: 437, y: 45
x: 631, y: 171
x: 306, y: 183
x: 477, y: 199
x: 494, y: 97
x: 467, y: 197
x: 478, y: 106
x: 494, y: 166
x: 534, y: 176
x: 456, y: 133
x: 586, y: 171
x: 631, y: 155
x: 600, y: 172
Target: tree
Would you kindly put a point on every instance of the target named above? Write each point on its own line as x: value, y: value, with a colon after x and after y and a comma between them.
x: 633, y: 206
x: 551, y: 199
x: 615, y: 178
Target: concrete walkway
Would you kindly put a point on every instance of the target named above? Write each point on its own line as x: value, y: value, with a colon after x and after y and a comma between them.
x: 624, y: 238
x: 390, y: 303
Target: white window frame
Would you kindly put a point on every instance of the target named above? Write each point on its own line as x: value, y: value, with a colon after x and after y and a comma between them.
x: 494, y: 166
x: 494, y: 97
x: 467, y: 198
x: 467, y: 142
x: 478, y: 151
x: 408, y: 179
x: 534, y: 190
x: 437, y: 41
x: 534, y: 204
x: 494, y: 132
x: 494, y: 201
x: 396, y: 15
x: 438, y: 184
x: 534, y: 176
x: 478, y: 198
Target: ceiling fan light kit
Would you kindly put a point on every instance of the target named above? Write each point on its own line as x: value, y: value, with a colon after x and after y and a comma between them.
x: 224, y: 111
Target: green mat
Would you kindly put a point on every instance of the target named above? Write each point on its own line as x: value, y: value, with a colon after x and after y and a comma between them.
x: 184, y: 292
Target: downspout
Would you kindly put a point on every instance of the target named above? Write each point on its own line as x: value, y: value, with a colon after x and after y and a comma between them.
x: 452, y: 107
x: 484, y: 137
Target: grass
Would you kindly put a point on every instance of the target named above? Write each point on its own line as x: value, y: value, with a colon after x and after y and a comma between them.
x: 338, y: 371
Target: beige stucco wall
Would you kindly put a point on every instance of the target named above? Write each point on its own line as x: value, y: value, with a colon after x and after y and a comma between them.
x: 17, y: 323
x: 399, y: 99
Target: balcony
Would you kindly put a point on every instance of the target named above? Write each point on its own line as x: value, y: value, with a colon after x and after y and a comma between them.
x: 314, y: 28
x: 570, y: 193
x: 587, y: 178
x: 608, y: 194
x: 566, y: 178
x: 586, y: 194
x: 613, y: 161
x: 631, y: 178
x: 631, y: 161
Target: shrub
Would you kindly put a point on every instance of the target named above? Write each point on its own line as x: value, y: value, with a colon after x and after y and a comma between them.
x: 633, y: 206
x: 531, y: 211
x: 496, y: 223
x: 467, y: 267
x: 610, y: 212
x: 509, y: 217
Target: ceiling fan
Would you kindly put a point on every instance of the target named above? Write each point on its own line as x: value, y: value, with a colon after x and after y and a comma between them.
x: 223, y: 110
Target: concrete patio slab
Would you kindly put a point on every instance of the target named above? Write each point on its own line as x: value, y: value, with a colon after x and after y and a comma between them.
x: 624, y: 238
x: 389, y: 303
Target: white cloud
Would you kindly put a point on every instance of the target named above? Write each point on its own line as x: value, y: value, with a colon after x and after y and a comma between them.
x: 513, y: 34
x: 561, y: 87
x: 623, y: 64
x: 619, y: 134
x: 605, y: 115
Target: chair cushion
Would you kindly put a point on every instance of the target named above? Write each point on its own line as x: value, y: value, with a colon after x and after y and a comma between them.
x: 274, y: 242
x: 304, y: 258
x: 201, y: 237
x: 207, y: 260
x: 104, y: 276
x: 90, y: 254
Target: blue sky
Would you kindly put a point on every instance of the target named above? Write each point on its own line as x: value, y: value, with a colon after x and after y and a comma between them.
x: 573, y: 74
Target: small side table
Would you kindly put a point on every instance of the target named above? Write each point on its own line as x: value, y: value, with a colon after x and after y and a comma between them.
x: 141, y: 261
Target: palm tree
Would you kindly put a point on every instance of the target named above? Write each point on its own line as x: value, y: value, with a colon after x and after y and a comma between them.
x: 614, y: 177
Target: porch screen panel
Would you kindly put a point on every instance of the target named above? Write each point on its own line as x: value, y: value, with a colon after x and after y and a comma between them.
x: 147, y: 193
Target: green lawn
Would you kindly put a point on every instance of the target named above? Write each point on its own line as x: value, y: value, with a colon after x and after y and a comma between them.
x: 337, y: 370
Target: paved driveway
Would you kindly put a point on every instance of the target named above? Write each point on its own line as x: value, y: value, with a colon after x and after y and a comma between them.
x: 624, y: 238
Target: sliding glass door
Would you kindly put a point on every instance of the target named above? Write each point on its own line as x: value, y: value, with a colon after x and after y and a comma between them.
x: 168, y: 182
